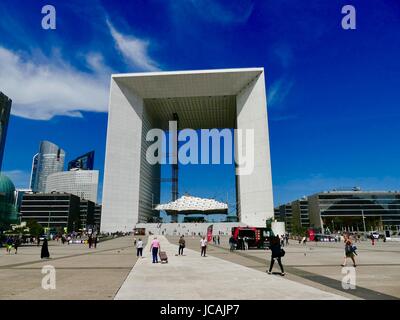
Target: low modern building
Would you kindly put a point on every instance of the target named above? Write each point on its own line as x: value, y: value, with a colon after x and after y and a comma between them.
x: 355, y: 210
x: 52, y: 210
x: 19, y: 194
x: 283, y: 213
x: 97, y: 216
x: 5, y: 108
x: 300, y: 213
x: 87, y: 210
x: 82, y: 183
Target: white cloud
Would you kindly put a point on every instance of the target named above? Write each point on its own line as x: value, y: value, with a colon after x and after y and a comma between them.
x: 278, y: 91
x: 41, y: 89
x: 133, y: 49
x: 235, y: 12
x: 19, y: 178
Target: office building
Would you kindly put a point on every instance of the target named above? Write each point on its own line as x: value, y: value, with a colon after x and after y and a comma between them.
x: 355, y: 210
x: 50, y: 159
x: 5, y: 108
x: 84, y: 162
x: 87, y: 211
x: 82, y: 183
x: 8, y: 213
x: 300, y: 213
x: 283, y: 213
x: 34, y: 171
x: 57, y: 211
x: 97, y: 216
x: 201, y: 99
x: 19, y: 194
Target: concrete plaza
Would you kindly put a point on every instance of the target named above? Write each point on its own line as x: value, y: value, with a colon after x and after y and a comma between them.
x: 194, y: 277
x: 81, y: 273
x: 318, y: 264
x: 112, y: 272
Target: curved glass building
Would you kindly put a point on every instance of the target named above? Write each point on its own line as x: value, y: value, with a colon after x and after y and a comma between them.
x: 49, y: 159
x: 8, y: 214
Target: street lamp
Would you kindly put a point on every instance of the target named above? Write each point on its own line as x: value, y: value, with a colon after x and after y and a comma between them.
x: 363, y: 217
x: 48, y: 225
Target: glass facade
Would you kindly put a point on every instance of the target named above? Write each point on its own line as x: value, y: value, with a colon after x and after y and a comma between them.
x: 84, y: 162
x: 5, y: 108
x: 382, y: 208
x: 50, y: 159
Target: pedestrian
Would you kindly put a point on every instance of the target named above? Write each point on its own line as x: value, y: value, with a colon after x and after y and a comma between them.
x: 287, y: 239
x: 203, y: 244
x: 349, y: 251
x: 232, y: 243
x: 90, y: 241
x: 9, y: 244
x: 17, y: 243
x: 38, y: 241
x: 134, y: 241
x: 246, y: 243
x: 181, y: 245
x: 95, y: 241
x: 372, y: 239
x: 276, y: 253
x: 282, y: 241
x: 155, y: 246
x: 219, y: 240
x: 45, y: 250
x: 139, y: 248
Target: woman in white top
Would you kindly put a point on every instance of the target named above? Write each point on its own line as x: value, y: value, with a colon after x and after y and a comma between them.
x: 203, y: 243
x: 139, y: 248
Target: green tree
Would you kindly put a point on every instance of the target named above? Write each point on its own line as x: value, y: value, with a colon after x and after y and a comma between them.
x: 35, y: 229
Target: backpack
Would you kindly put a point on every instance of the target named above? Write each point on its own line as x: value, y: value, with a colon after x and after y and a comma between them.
x: 282, y: 253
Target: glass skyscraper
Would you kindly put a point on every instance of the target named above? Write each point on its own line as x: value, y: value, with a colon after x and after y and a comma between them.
x: 50, y: 159
x: 5, y: 108
x: 84, y: 162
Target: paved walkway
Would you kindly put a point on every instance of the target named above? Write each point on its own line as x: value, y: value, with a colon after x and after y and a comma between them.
x: 193, y: 277
x: 81, y: 273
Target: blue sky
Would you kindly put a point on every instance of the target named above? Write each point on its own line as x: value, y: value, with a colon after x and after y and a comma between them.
x: 333, y: 94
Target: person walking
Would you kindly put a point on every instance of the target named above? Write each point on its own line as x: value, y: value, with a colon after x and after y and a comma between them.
x: 276, y: 253
x: 182, y: 243
x: 287, y: 239
x: 372, y: 239
x: 44, y: 254
x: 203, y: 244
x: 95, y: 240
x: 232, y: 243
x: 90, y: 241
x: 139, y: 248
x: 9, y: 245
x: 218, y: 240
x: 17, y: 243
x: 349, y: 251
x: 154, y: 247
